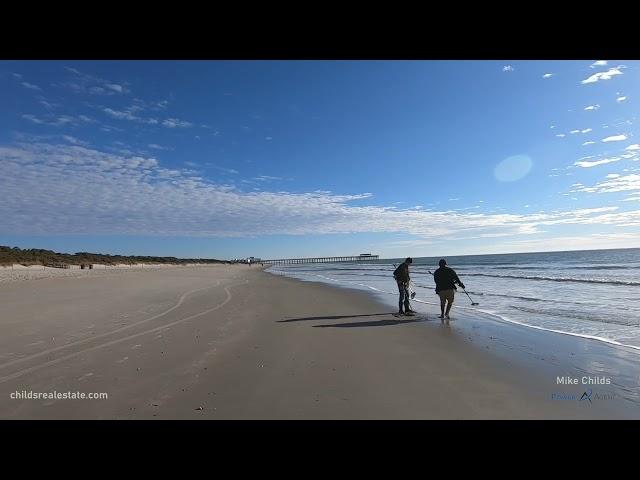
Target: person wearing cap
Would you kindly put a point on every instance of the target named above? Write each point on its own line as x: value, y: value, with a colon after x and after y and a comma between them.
x: 401, y: 274
x: 446, y: 280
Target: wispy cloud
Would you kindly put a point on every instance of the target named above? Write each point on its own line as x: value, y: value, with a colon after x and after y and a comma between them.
x: 57, y: 121
x: 47, y: 104
x: 75, y: 141
x: 110, y: 129
x: 547, y: 75
x: 266, y: 178
x: 608, y: 75
x: 621, y: 99
x: 92, y: 85
x: 595, y: 163
x: 131, y: 113
x: 127, y: 194
x: 588, y: 143
x: 31, y: 86
x: 508, y: 68
x: 625, y: 183
x: 231, y: 171
x: 140, y: 105
x: 592, y: 107
x: 598, y: 63
x: 615, y: 138
x: 155, y: 146
x: 635, y: 146
x: 176, y: 123
x: 586, y: 130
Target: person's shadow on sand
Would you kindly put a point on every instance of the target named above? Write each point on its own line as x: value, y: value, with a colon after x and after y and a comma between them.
x: 334, y: 317
x: 378, y: 323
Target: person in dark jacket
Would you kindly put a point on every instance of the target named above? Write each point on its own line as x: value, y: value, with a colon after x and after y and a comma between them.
x: 446, y: 280
x: 401, y: 274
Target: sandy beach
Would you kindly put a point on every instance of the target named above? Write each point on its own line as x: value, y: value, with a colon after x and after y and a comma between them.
x: 18, y: 272
x: 235, y: 342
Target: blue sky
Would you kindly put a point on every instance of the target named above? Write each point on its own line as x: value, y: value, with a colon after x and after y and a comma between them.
x: 300, y: 158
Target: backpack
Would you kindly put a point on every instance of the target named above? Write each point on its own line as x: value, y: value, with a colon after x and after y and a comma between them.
x: 395, y: 273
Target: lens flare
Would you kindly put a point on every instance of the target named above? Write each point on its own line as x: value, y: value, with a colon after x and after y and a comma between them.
x: 513, y: 168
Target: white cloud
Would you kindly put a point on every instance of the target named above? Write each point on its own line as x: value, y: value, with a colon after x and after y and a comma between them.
x: 89, y: 84
x: 547, y: 75
x: 598, y: 63
x: 126, y: 115
x: 584, y: 242
x: 222, y: 169
x: 155, y: 146
x: 621, y: 99
x: 131, y: 113
x: 508, y: 68
x: 57, y: 121
x: 613, y: 175
x: 115, y: 87
x: 592, y: 107
x: 574, y: 131
x: 588, y: 143
x: 176, y: 123
x: 615, y: 138
x: 635, y: 146
x: 560, y: 135
x: 90, y: 191
x: 608, y: 75
x: 48, y: 105
x: 31, y: 86
x: 624, y: 183
x: 266, y: 178
x: 74, y: 140
x: 86, y: 119
x: 586, y: 130
x: 32, y: 118
x: 587, y: 164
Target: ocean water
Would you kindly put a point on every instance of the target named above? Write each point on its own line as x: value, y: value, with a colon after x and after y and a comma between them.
x: 593, y: 294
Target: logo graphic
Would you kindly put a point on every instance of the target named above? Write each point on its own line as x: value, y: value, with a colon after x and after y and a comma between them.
x: 587, y: 396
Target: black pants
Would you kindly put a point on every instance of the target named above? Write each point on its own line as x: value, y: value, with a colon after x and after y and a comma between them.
x: 404, y: 297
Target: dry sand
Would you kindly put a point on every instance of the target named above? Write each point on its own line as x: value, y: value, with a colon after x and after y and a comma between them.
x: 19, y: 273
x: 234, y: 342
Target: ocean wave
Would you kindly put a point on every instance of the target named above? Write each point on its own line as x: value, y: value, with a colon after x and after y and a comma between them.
x: 529, y: 299
x: 559, y: 279
x: 576, y: 315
